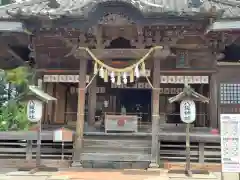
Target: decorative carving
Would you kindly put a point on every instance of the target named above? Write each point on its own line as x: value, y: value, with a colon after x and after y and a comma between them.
x: 118, y: 25
x: 115, y: 19
x: 182, y: 59
x: 219, y: 40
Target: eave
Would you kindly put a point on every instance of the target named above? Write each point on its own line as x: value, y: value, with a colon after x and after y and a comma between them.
x: 53, y: 9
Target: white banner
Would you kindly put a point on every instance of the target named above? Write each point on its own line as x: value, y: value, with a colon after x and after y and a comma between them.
x: 75, y: 78
x: 164, y: 79
x: 183, y: 79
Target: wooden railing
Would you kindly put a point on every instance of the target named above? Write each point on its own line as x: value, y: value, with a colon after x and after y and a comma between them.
x: 200, y: 152
x: 144, y: 123
x: 22, y: 145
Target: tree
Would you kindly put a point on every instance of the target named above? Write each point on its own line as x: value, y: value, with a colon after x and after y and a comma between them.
x: 13, y: 87
x: 13, y: 117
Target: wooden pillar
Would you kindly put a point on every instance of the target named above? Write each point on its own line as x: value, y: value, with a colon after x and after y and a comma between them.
x: 92, y: 101
x: 213, y: 87
x: 201, y: 119
x: 155, y: 150
x: 213, y: 105
x: 80, y: 114
x: 92, y: 91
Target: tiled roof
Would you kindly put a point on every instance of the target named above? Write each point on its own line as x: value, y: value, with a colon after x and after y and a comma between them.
x: 230, y: 8
x: 59, y: 8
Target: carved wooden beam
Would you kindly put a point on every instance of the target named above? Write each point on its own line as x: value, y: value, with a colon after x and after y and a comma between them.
x: 103, y: 53
x: 122, y: 53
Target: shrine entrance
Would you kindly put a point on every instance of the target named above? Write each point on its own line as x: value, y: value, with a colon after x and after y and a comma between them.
x: 137, y: 102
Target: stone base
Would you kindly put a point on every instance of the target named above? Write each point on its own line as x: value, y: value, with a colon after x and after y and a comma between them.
x: 33, y: 170
x: 115, y: 165
x: 22, y: 163
x: 76, y: 164
x: 153, y: 165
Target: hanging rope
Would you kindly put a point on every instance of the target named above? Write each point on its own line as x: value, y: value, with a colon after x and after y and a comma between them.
x: 120, y: 70
x: 90, y: 82
x: 150, y: 84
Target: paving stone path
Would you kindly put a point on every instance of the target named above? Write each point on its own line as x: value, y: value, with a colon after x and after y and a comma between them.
x: 103, y: 174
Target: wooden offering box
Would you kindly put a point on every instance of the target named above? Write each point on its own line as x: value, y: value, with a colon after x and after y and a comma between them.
x: 121, y: 123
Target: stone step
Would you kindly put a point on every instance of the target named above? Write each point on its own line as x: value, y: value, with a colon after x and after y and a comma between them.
x: 115, y: 165
x: 115, y: 156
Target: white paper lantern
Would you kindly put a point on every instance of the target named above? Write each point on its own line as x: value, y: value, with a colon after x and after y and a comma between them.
x: 188, y: 111
x: 34, y: 110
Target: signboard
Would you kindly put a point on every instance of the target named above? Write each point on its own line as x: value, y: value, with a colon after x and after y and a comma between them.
x: 34, y: 110
x: 230, y: 142
x: 62, y: 135
x: 188, y: 111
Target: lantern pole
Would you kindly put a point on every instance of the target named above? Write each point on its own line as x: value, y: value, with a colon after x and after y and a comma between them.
x: 36, y: 98
x: 38, y: 153
x: 188, y: 151
x: 188, y: 116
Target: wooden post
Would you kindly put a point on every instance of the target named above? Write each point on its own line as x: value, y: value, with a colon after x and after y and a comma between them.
x: 213, y: 104
x: 92, y: 100
x: 201, y: 153
x: 213, y: 101
x: 188, y: 151
x: 92, y: 93
x: 201, y: 118
x: 155, y: 151
x: 80, y: 115
x: 39, y: 141
x: 29, y: 150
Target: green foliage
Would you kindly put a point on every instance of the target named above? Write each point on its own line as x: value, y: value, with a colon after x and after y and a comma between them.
x: 13, y: 87
x: 19, y: 78
x: 13, y: 117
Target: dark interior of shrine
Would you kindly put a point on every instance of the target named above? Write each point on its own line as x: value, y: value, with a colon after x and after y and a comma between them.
x: 136, y: 102
x: 232, y: 53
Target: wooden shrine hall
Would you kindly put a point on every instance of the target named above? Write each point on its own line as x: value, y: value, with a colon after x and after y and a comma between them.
x: 113, y: 65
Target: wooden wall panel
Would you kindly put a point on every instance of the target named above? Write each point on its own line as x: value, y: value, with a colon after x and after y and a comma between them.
x: 61, y: 103
x: 49, y: 106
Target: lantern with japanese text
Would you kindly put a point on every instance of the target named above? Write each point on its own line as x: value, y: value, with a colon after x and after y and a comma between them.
x: 34, y: 110
x: 188, y: 111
